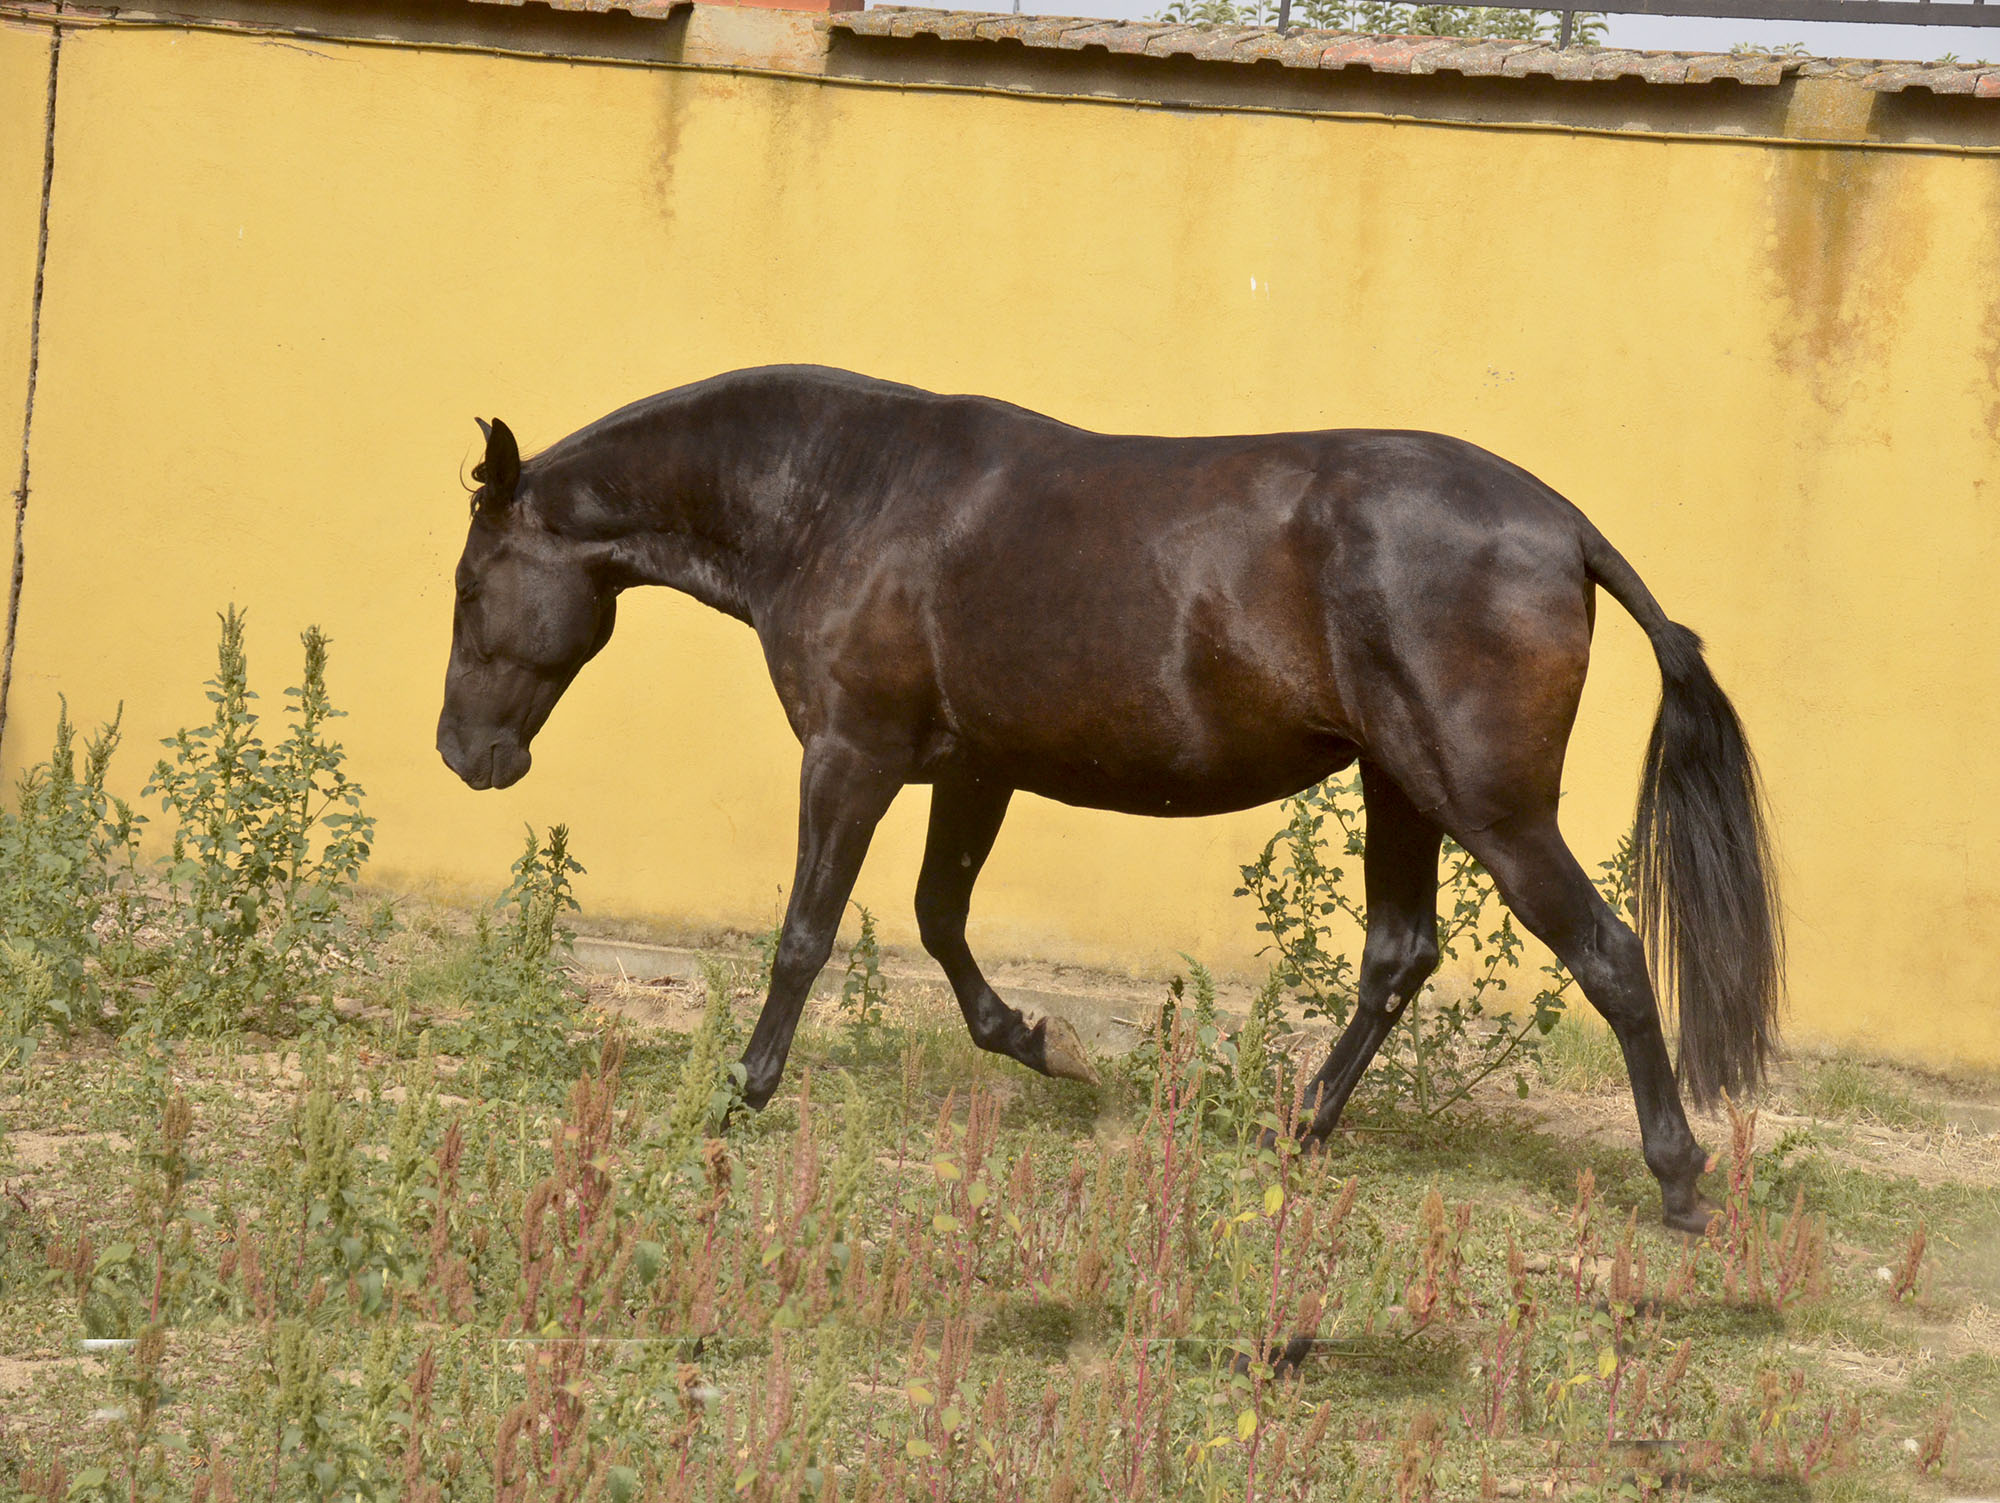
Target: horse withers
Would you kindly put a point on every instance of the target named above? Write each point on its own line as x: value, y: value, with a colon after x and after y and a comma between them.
x: 954, y: 591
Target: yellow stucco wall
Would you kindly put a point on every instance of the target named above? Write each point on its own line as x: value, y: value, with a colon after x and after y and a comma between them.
x: 284, y: 279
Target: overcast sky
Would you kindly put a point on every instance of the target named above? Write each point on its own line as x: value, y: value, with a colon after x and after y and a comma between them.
x: 1679, y: 33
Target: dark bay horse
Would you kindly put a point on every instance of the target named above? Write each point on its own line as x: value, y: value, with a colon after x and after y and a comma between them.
x: 954, y: 591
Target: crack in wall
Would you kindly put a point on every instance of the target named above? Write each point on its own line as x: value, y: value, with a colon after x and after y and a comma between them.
x: 19, y: 571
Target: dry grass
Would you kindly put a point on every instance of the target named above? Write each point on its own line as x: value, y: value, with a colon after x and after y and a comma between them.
x: 925, y: 1273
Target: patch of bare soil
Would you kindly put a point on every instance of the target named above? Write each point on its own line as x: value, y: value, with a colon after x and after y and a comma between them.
x: 670, y: 1002
x: 26, y: 1375
x: 1949, y: 1155
x: 36, y: 1151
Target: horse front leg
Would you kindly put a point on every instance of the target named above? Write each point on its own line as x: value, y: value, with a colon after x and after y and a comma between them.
x: 965, y: 819
x: 844, y: 791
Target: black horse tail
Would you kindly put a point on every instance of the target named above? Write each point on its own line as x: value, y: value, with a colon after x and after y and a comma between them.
x: 1702, y: 868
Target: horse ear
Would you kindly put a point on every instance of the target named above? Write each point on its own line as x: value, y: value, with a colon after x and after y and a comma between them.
x: 500, y: 470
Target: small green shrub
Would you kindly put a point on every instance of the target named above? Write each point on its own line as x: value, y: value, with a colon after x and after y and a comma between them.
x: 1444, y: 1046
x: 267, y: 843
x: 1233, y: 1072
x: 27, y: 1002
x: 68, y: 888
x: 524, y: 1008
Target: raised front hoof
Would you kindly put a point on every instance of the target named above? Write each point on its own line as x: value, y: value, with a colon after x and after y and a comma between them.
x: 1057, y: 1049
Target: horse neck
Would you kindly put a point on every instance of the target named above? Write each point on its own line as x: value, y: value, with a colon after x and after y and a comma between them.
x: 712, y: 503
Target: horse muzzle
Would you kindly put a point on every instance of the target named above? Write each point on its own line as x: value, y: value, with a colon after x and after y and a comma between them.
x: 491, y: 760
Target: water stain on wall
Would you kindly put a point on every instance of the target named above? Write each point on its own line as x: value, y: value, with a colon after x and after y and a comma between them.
x: 1842, y: 246
x: 1987, y: 348
x: 669, y: 124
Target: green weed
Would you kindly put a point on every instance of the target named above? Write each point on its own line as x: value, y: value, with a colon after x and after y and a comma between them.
x: 68, y: 891
x: 1445, y: 1045
x: 524, y: 1012
x: 268, y: 843
x: 862, y: 990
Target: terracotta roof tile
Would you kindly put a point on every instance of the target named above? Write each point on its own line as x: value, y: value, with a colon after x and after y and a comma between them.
x: 1304, y: 47
x: 1477, y: 59
x: 957, y: 26
x: 1169, y: 41
x: 986, y: 28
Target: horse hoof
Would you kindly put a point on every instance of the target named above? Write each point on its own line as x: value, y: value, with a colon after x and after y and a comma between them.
x: 1063, y: 1053
x: 1695, y: 1220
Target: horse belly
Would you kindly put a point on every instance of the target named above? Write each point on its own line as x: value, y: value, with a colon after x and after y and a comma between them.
x: 1147, y: 747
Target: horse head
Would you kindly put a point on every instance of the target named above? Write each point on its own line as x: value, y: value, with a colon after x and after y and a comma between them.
x: 533, y: 608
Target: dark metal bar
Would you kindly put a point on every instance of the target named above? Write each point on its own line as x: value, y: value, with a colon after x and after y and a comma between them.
x: 1562, y: 37
x: 1284, y: 16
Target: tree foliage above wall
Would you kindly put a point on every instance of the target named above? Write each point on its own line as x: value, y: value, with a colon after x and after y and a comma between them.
x: 1376, y: 17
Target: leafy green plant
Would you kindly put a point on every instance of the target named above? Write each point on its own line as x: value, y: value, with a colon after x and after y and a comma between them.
x: 267, y: 842
x: 1445, y: 1045
x: 27, y: 1002
x: 68, y: 888
x: 862, y: 989
x: 524, y: 1006
x: 1297, y: 892
x: 343, y: 1223
x: 1232, y: 1072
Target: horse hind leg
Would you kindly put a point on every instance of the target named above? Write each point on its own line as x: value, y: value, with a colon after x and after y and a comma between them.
x: 966, y: 814
x: 1399, y: 874
x: 1541, y: 881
